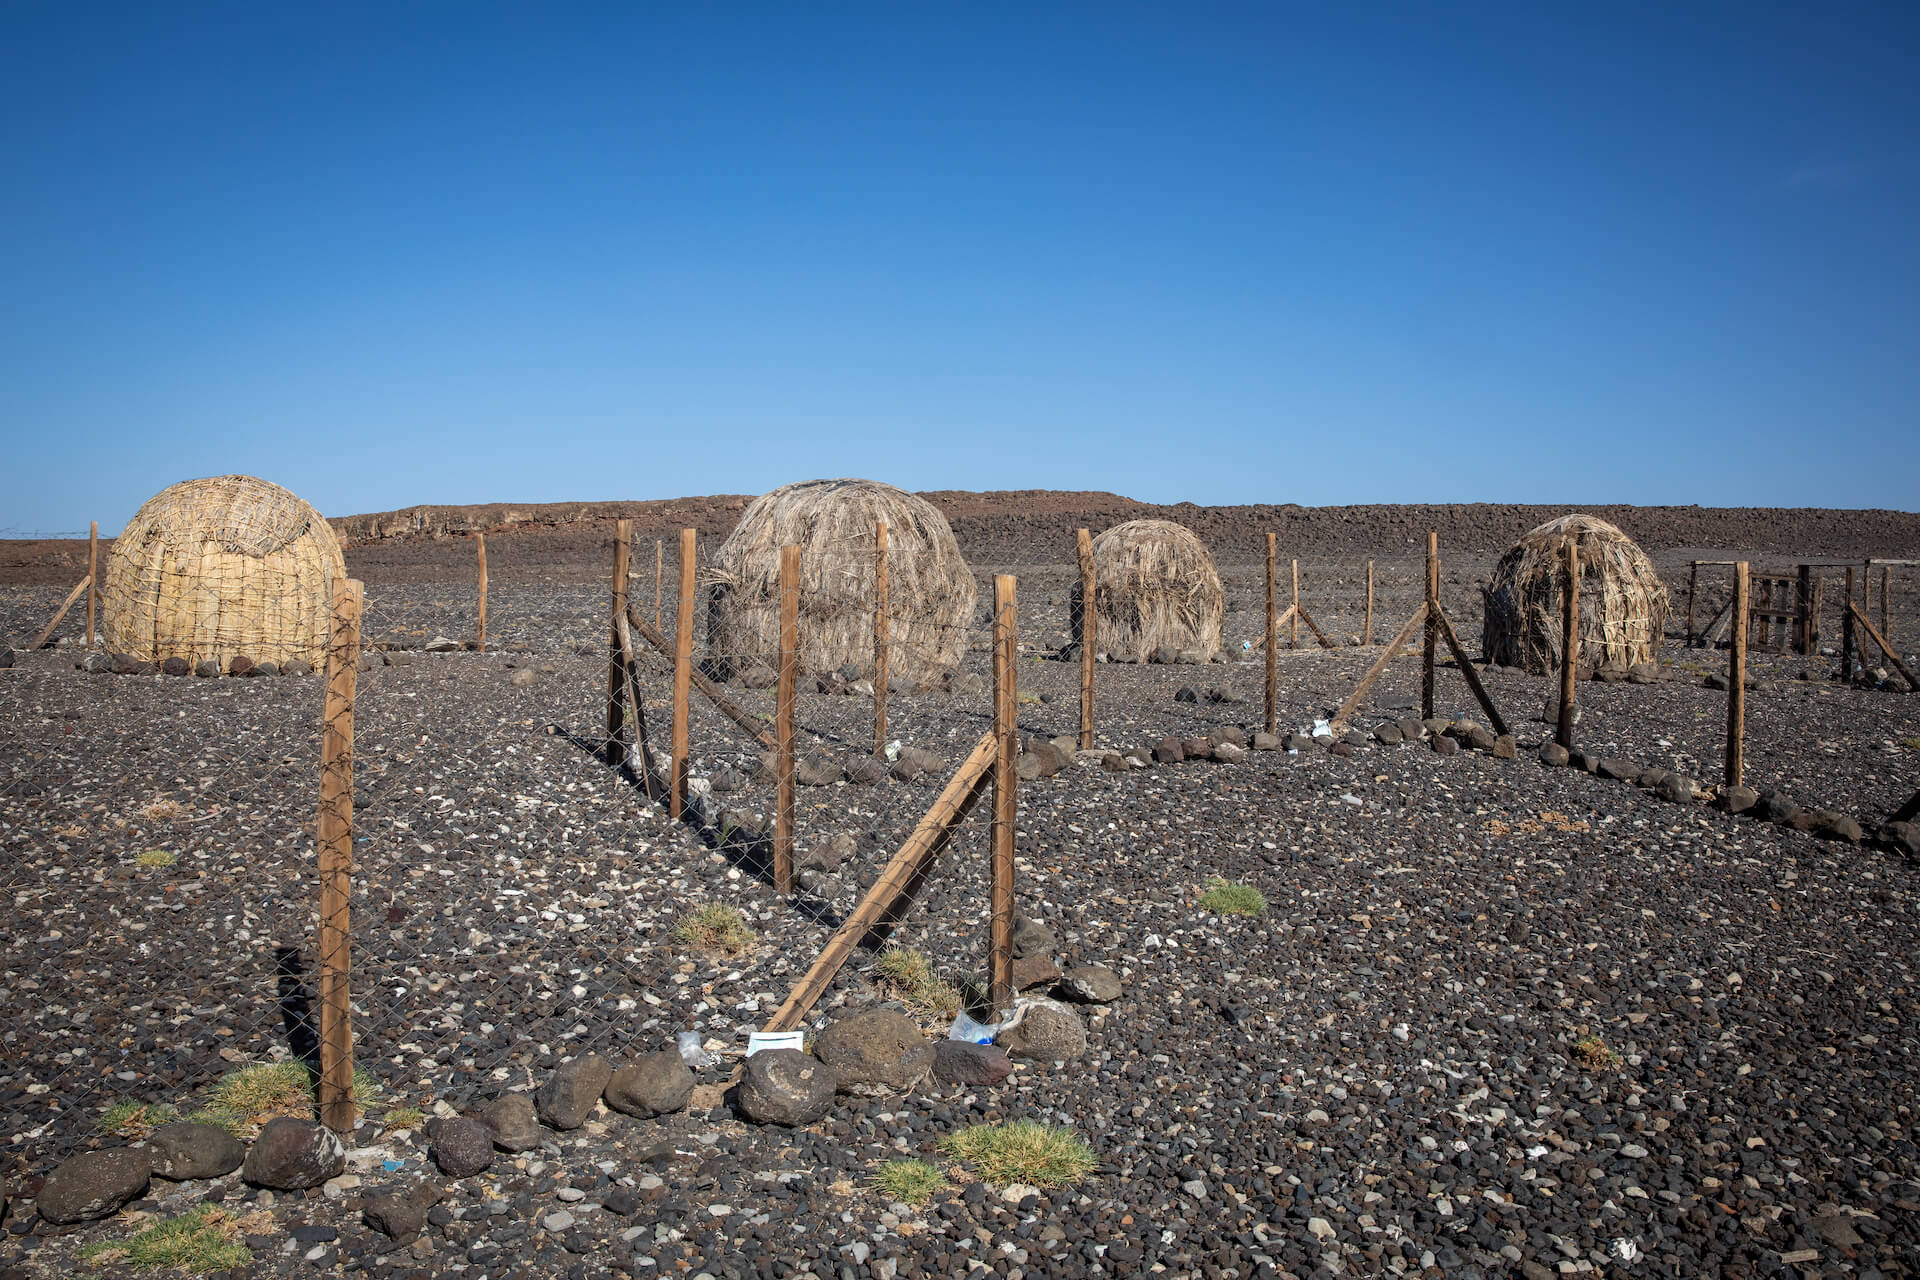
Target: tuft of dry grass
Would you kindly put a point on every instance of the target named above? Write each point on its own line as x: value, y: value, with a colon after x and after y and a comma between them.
x: 715, y: 928
x: 162, y: 810
x: 205, y: 1238
x: 1593, y: 1053
x: 135, y: 1120
x: 909, y: 977
x: 913, y: 1182
x: 241, y: 1101
x: 1225, y: 898
x: 155, y: 858
x: 1023, y: 1151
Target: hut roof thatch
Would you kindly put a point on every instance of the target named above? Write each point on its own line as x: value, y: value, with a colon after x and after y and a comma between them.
x: 1623, y: 602
x: 220, y: 567
x: 930, y: 596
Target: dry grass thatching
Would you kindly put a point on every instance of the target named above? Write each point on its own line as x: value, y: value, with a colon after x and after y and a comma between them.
x: 1623, y: 602
x: 220, y: 567
x: 930, y: 591
x: 1154, y: 588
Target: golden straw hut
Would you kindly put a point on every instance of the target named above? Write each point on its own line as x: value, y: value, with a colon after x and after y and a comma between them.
x: 930, y: 589
x: 218, y: 568
x: 1623, y: 602
x: 1157, y: 596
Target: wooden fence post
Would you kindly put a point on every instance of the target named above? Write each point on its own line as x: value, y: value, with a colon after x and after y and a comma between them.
x: 682, y: 677
x: 1273, y: 637
x: 783, y: 720
x: 480, y: 640
x: 1006, y: 710
x: 1803, y: 610
x: 1569, y: 644
x: 1846, y: 635
x: 1737, y: 681
x: 1693, y: 578
x: 335, y: 859
x: 93, y: 579
x: 612, y: 752
x: 1886, y: 617
x: 659, y: 561
x: 1367, y: 637
x: 1084, y: 544
x: 881, y: 624
x: 1293, y: 641
x: 1433, y: 625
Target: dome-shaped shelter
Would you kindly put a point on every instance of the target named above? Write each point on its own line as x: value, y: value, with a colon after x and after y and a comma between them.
x: 930, y: 589
x: 1156, y: 594
x: 1623, y: 602
x: 218, y: 568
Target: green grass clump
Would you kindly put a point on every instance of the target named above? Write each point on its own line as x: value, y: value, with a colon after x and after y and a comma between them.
x: 244, y: 1100
x: 136, y: 1119
x: 1022, y: 1151
x: 155, y: 858
x: 717, y: 928
x: 1225, y: 898
x: 908, y: 975
x: 1911, y: 743
x: 1593, y: 1053
x: 203, y: 1239
x: 403, y: 1118
x: 908, y: 1181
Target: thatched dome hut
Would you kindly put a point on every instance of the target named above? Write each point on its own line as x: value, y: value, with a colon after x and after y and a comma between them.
x: 1623, y: 602
x: 930, y: 589
x: 222, y: 567
x: 1156, y: 594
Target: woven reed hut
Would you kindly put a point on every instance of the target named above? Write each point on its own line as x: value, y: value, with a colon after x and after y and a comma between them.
x: 1156, y: 594
x: 1623, y: 602
x: 218, y: 568
x: 930, y: 589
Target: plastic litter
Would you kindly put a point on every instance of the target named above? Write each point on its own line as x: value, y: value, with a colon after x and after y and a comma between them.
x: 965, y: 1028
x: 692, y: 1052
x: 758, y: 1040
x: 893, y: 751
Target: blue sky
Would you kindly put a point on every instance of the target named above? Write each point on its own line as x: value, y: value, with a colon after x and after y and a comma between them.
x: 387, y: 254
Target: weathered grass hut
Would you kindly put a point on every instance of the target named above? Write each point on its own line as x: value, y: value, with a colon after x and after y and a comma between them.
x: 221, y: 567
x: 930, y: 589
x: 1157, y: 596
x: 1623, y: 602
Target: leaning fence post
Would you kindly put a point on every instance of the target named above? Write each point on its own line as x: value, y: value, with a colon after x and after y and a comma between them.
x: 335, y: 858
x: 1737, y: 681
x: 1846, y: 635
x: 682, y: 677
x: 1433, y: 625
x: 783, y: 720
x: 480, y: 638
x: 93, y: 578
x: 1569, y: 644
x: 616, y: 666
x: 1084, y: 541
x: 1006, y: 709
x: 880, y: 637
x: 1367, y: 637
x: 1272, y: 641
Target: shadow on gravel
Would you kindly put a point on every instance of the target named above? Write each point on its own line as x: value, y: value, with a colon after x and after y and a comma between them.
x: 751, y: 852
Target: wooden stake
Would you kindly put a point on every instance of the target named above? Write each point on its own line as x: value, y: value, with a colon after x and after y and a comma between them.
x: 1892, y: 658
x: 682, y: 678
x: 40, y: 641
x: 335, y: 859
x: 1737, y: 681
x: 1293, y: 638
x: 614, y: 751
x: 1472, y: 676
x: 634, y: 702
x: 480, y: 640
x: 1846, y: 634
x: 783, y: 721
x: 93, y: 579
x: 1433, y: 628
x: 1569, y: 644
x: 1908, y: 811
x: 909, y: 863
x: 881, y: 622
x: 659, y: 562
x: 1366, y: 637
x: 1314, y: 627
x: 1693, y: 578
x: 1803, y: 610
x: 1006, y: 710
x: 1886, y: 617
x: 1401, y: 639
x: 1084, y: 545
x: 1273, y: 638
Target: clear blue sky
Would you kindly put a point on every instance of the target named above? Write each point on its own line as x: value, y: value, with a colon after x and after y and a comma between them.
x: 398, y: 253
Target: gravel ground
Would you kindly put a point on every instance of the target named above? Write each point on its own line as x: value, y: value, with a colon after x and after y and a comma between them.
x: 1498, y: 1019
